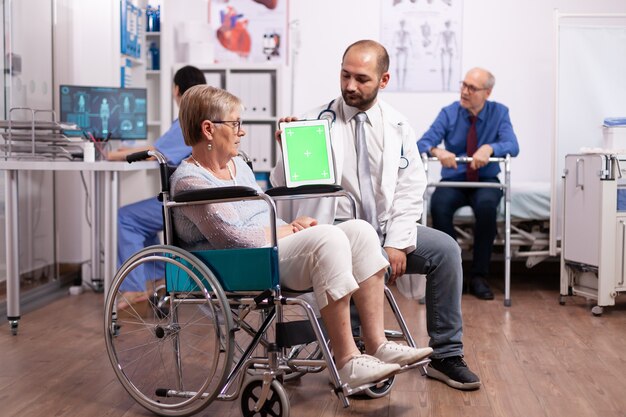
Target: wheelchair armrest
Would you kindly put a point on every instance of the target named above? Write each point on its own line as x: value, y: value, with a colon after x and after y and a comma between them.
x: 309, y: 191
x: 303, y: 190
x: 225, y: 195
x: 209, y: 194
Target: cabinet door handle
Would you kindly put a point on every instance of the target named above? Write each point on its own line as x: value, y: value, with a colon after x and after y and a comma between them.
x: 623, y: 250
x: 580, y: 166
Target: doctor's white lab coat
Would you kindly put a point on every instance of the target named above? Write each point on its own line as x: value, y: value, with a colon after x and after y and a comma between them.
x: 402, y: 188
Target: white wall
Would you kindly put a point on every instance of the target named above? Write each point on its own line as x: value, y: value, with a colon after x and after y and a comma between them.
x: 87, y: 52
x: 513, y: 39
x: 31, y: 87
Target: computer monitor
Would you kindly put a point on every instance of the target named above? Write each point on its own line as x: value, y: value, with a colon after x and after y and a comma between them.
x: 105, y: 112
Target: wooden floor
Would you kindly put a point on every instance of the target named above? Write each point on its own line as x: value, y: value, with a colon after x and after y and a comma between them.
x: 536, y: 358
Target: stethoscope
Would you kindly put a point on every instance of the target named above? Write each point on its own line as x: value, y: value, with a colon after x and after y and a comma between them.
x: 331, y: 116
x: 328, y: 114
x: 404, y: 161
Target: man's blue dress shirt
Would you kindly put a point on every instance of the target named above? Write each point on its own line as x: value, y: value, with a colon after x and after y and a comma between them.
x: 493, y: 127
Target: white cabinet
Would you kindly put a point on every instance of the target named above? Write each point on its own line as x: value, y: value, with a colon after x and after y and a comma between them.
x: 594, y: 231
x: 258, y: 88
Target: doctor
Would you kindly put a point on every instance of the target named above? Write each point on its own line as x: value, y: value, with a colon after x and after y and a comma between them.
x: 378, y: 162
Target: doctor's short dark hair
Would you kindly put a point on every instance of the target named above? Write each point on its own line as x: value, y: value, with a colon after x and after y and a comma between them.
x: 187, y: 77
x: 200, y: 103
x: 382, y: 57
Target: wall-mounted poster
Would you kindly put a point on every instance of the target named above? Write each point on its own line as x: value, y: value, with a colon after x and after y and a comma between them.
x: 423, y: 38
x: 249, y: 30
x: 130, y: 29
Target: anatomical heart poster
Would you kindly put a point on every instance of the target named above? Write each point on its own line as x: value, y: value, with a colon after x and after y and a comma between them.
x: 249, y: 30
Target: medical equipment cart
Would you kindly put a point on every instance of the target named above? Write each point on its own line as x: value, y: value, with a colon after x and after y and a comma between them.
x: 594, y: 230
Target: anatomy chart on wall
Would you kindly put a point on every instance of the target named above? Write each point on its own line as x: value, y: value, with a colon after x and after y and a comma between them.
x: 423, y: 38
x: 249, y: 30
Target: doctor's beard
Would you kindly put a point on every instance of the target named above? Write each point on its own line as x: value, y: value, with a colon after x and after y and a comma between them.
x: 361, y: 102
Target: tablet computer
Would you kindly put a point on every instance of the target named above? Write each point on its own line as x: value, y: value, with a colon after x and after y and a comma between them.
x: 307, y: 154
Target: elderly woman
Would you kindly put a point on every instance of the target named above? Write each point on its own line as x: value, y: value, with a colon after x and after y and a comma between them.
x: 339, y: 262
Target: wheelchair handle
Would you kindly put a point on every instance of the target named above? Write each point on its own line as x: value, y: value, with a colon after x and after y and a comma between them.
x: 137, y: 156
x: 143, y: 155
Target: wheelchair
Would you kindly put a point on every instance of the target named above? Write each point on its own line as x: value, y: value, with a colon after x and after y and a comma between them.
x: 217, y: 325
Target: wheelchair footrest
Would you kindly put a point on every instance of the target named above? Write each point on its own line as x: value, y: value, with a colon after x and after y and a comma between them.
x: 291, y: 333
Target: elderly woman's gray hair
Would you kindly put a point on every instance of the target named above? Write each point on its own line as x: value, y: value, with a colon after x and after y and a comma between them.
x: 200, y: 103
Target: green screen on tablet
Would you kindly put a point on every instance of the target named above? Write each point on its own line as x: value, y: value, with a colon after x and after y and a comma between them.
x: 307, y: 153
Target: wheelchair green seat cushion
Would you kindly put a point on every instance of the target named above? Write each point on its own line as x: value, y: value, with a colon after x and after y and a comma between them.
x: 250, y: 269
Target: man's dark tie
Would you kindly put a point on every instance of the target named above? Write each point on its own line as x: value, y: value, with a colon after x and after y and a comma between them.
x: 472, y: 145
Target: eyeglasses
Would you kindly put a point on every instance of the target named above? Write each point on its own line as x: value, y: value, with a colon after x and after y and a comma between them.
x: 471, y: 88
x: 233, y: 124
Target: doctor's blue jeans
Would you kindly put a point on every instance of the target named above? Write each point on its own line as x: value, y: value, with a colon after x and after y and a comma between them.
x: 438, y: 256
x: 138, y: 225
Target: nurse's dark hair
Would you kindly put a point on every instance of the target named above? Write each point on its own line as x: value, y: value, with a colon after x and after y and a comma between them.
x: 187, y: 77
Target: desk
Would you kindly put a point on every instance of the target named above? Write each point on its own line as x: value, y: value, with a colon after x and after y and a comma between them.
x: 105, y: 175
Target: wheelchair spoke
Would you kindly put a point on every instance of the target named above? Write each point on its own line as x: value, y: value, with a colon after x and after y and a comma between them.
x: 174, y: 358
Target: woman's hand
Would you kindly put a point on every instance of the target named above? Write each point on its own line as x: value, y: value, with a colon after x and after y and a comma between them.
x: 281, y: 231
x: 303, y: 222
x: 279, y: 131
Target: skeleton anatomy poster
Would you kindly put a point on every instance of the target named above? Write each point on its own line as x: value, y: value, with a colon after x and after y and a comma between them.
x: 423, y: 38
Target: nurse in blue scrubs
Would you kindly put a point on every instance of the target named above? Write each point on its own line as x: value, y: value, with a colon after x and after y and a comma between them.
x: 139, y: 223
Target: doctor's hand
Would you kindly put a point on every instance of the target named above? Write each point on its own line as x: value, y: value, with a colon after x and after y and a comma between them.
x: 397, y: 260
x: 279, y: 132
x: 481, y: 156
x: 303, y: 222
x: 445, y: 157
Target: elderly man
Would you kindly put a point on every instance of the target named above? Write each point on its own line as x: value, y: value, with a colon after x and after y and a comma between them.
x: 481, y: 129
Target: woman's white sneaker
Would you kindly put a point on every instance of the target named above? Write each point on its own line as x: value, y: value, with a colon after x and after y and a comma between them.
x: 363, y: 369
x: 391, y: 352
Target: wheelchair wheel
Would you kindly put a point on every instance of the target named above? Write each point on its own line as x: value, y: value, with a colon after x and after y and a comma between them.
x: 172, y: 356
x: 276, y: 404
x: 381, y: 389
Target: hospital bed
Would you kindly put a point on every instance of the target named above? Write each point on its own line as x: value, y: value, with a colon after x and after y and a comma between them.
x: 594, y: 228
x: 220, y: 327
x: 530, y: 222
x: 523, y: 216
